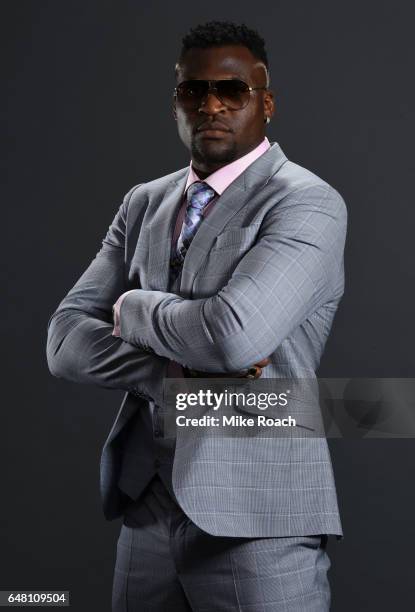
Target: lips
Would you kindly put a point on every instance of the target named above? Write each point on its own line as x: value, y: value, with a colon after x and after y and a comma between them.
x: 213, y: 127
x: 214, y: 131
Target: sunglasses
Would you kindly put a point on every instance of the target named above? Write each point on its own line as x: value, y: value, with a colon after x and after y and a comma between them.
x: 232, y: 93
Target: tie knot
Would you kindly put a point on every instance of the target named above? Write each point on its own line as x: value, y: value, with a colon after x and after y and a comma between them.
x: 199, y: 194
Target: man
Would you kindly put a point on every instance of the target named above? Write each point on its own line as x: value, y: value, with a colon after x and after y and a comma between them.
x: 233, y: 267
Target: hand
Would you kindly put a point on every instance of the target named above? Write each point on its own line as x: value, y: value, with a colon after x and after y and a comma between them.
x: 253, y: 372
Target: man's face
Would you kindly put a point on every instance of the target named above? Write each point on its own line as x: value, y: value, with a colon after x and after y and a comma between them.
x: 232, y: 133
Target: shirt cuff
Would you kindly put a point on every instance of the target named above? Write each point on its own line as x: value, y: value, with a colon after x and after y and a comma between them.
x: 116, y: 313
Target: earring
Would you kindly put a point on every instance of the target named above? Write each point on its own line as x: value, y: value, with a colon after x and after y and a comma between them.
x: 267, y: 120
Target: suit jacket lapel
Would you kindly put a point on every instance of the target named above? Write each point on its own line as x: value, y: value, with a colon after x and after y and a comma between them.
x: 161, y: 233
x: 237, y: 195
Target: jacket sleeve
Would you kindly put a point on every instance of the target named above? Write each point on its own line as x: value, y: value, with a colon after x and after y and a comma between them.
x: 80, y: 344
x: 295, y: 267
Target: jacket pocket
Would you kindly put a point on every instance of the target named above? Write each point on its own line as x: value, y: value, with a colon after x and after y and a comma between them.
x: 238, y: 238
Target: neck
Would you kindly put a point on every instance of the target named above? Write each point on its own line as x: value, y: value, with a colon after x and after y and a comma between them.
x: 202, y: 174
x: 206, y: 167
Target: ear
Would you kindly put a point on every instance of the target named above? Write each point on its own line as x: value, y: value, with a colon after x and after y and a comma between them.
x: 269, y: 104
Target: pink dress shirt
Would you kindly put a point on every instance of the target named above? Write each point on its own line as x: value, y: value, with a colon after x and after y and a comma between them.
x: 219, y: 181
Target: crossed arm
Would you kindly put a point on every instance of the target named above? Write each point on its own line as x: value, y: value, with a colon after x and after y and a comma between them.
x: 293, y: 269
x: 80, y: 344
x: 287, y: 275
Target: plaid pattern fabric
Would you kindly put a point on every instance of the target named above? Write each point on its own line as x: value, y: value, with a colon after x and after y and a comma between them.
x: 165, y: 562
x: 263, y: 276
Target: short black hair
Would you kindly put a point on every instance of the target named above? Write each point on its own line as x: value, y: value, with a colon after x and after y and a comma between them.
x: 221, y: 33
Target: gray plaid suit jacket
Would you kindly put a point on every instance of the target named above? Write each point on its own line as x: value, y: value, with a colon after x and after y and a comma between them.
x: 262, y: 277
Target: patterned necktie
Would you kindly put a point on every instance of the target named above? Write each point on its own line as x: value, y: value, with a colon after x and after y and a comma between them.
x: 199, y: 195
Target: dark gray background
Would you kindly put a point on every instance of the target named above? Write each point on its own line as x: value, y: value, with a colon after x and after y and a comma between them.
x: 88, y: 94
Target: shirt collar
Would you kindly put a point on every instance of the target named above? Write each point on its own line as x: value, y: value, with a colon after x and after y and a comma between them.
x: 222, y: 178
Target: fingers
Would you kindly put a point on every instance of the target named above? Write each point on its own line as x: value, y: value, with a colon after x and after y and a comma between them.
x: 254, y: 372
x: 264, y: 362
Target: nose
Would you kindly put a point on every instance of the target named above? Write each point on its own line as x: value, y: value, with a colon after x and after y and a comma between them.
x: 211, y: 105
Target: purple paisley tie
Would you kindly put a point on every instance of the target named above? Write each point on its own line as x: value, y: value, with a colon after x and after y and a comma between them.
x: 199, y: 195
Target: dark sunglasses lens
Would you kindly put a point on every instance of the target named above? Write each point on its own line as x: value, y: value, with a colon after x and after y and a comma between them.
x: 233, y: 93
x: 191, y: 93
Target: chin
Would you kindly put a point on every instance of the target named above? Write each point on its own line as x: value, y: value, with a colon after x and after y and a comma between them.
x: 211, y: 152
